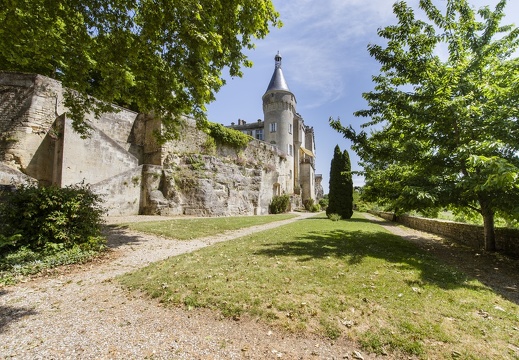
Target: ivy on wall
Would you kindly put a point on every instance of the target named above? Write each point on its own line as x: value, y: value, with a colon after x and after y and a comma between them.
x: 227, y: 136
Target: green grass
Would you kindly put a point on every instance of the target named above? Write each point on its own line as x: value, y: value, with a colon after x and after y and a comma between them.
x: 342, y: 279
x: 186, y: 229
x: 15, y: 266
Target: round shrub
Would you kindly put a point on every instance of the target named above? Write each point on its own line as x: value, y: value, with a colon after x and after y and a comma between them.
x: 47, y: 218
x: 279, y: 204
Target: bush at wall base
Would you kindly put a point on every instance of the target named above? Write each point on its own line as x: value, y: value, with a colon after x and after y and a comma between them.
x: 279, y: 204
x: 50, y: 218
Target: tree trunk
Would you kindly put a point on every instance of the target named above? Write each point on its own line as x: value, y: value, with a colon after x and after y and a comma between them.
x: 488, y: 224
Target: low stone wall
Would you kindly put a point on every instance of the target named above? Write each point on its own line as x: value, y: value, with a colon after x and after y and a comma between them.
x: 122, y: 193
x: 507, y: 240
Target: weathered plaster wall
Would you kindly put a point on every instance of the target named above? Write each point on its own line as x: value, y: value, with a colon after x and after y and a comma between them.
x: 122, y: 192
x: 507, y: 240
x: 93, y: 159
x: 122, y: 160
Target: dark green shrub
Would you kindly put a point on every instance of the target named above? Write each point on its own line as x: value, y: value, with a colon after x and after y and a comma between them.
x: 49, y: 219
x: 308, y: 204
x: 315, y: 208
x: 340, y: 194
x: 279, y: 204
x: 334, y: 216
x: 323, y: 203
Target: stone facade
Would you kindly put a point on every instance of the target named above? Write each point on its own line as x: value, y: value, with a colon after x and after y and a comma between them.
x: 122, y: 161
x: 507, y: 240
x: 285, y: 129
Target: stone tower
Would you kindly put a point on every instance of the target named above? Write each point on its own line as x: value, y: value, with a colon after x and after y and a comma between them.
x: 279, y: 110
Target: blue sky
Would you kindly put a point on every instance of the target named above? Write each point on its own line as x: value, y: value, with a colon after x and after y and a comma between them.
x: 326, y: 65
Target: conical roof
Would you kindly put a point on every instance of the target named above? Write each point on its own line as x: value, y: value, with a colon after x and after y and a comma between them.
x: 277, y: 82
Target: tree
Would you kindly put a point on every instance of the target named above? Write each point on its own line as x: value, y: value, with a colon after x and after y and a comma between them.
x: 164, y: 57
x: 340, y: 196
x: 445, y: 130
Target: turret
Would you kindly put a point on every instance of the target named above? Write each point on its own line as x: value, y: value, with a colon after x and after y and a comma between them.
x: 279, y: 109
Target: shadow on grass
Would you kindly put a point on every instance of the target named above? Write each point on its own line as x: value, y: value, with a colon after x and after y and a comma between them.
x: 10, y: 314
x: 354, y: 246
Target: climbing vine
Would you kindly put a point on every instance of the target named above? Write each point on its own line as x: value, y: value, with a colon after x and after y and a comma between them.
x: 231, y: 137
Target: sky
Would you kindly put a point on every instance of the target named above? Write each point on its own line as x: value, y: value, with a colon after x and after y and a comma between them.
x: 326, y: 65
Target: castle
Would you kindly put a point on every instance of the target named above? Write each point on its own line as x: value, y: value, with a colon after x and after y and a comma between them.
x: 135, y: 174
x: 284, y: 128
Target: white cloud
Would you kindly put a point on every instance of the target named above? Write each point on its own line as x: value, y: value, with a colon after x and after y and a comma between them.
x: 325, y: 41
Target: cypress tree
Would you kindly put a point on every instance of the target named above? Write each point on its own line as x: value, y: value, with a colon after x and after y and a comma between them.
x: 341, y: 185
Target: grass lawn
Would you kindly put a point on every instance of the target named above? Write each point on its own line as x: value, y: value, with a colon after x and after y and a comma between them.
x: 186, y: 229
x: 342, y: 279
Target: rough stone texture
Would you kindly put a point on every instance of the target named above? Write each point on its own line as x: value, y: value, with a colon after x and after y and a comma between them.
x: 122, y: 192
x: 29, y: 105
x: 10, y: 176
x: 507, y: 240
x: 122, y: 160
x: 319, y: 191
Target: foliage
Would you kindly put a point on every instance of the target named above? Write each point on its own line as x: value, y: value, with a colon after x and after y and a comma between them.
x: 24, y: 262
x: 166, y: 58
x: 443, y: 129
x: 311, y: 206
x: 346, y: 279
x: 49, y: 219
x: 334, y: 216
x: 227, y: 136
x: 359, y: 203
x: 279, y: 204
x: 209, y: 146
x: 340, y: 196
x: 9, y: 241
x: 323, y: 203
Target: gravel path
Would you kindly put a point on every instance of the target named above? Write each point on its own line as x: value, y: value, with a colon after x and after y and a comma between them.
x: 82, y: 313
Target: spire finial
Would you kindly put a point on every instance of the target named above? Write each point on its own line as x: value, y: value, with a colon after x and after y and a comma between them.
x: 278, y: 58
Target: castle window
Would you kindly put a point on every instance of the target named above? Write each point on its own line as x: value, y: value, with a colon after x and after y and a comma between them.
x: 273, y: 127
x: 259, y: 134
x: 290, y: 150
x: 290, y: 128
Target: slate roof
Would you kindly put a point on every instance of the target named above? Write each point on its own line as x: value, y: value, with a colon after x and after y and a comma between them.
x: 277, y: 82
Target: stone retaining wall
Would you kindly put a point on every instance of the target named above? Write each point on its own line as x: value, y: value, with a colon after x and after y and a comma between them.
x: 122, y: 160
x: 507, y: 240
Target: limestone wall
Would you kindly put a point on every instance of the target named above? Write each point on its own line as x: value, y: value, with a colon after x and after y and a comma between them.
x: 118, y: 124
x: 204, y: 181
x: 9, y: 176
x: 29, y: 104
x: 93, y: 159
x: 121, y: 193
x: 507, y: 240
x: 122, y: 160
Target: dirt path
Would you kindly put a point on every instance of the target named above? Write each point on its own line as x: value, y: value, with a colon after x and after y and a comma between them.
x: 82, y: 313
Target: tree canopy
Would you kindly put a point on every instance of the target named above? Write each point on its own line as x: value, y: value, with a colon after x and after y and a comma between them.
x: 340, y: 196
x: 444, y: 130
x: 164, y: 57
